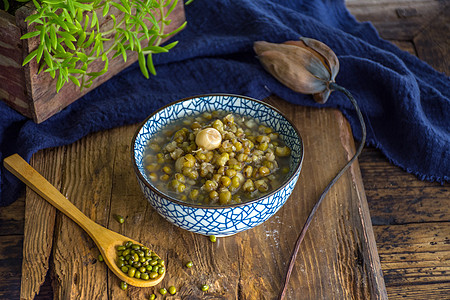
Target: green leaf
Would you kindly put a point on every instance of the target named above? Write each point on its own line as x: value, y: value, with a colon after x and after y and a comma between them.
x: 152, y: 19
x: 30, y: 34
x: 43, y: 32
x: 76, y: 71
x: 86, y: 22
x: 48, y: 59
x: 137, y: 43
x: 81, y: 38
x: 125, y: 33
x: 105, y: 9
x: 152, y: 40
x: 143, y: 65
x: 78, y: 25
x: 41, y: 68
x: 83, y: 6
x: 126, y: 5
x: 74, y: 80
x: 140, y: 22
x: 71, y: 8
x: 29, y: 57
x: 80, y: 15
x: 150, y: 65
x: 53, y: 38
x: 65, y: 74
x: 33, y: 19
x: 67, y: 16
x: 131, y: 41
x: 170, y: 46
x: 71, y: 62
x: 113, y: 17
x: 67, y: 36
x: 88, y: 84
x: 94, y: 19
x: 152, y: 3
x: 59, y: 82
x: 155, y: 49
x: 51, y: 1
x: 82, y: 56
x: 124, y: 53
x: 59, y: 47
x: 40, y: 51
x: 54, y: 18
x: 63, y: 55
x: 120, y: 7
x: 97, y: 45
x: 36, y: 4
x: 105, y: 69
x: 47, y: 42
x: 175, y: 31
x: 171, y: 8
x: 69, y: 45
x: 56, y: 6
x: 91, y: 39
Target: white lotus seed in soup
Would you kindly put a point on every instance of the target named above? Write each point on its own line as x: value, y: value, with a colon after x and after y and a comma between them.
x: 217, y: 158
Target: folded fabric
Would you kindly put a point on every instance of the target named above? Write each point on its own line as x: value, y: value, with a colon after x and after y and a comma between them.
x: 405, y: 102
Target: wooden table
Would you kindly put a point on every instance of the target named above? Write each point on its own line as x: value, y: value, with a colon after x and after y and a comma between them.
x: 410, y: 217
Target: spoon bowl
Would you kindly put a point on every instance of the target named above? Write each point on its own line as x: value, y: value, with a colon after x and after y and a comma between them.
x: 105, y: 239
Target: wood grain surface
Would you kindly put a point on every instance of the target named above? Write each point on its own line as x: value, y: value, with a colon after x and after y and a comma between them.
x: 411, y: 218
x: 338, y: 257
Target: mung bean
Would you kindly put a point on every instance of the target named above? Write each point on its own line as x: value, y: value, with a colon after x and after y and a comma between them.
x: 190, y: 172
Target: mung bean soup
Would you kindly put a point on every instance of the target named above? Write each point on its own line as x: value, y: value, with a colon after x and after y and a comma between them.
x: 217, y: 158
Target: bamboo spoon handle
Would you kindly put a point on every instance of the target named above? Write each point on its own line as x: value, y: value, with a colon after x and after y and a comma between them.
x: 105, y: 239
x: 22, y: 170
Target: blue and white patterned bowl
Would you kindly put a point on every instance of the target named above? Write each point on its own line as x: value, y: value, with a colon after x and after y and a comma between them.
x: 217, y: 220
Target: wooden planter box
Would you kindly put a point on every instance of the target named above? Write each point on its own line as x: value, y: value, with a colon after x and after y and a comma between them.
x: 35, y: 95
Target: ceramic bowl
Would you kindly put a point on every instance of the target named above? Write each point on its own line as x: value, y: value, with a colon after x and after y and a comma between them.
x: 217, y: 220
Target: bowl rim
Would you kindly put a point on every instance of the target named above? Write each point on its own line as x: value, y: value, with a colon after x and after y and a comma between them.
x: 216, y: 207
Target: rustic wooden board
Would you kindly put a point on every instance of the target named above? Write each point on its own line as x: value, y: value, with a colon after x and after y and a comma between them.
x: 411, y: 218
x: 397, y: 19
x: 338, y: 258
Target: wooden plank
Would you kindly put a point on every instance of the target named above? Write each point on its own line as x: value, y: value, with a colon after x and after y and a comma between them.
x: 407, y: 46
x: 13, y: 87
x: 415, y: 256
x: 419, y: 292
x: 10, y: 266
x: 398, y: 19
x: 39, y: 225
x: 87, y: 182
x: 99, y: 179
x: 11, y: 217
x: 436, y: 34
x: 391, y: 190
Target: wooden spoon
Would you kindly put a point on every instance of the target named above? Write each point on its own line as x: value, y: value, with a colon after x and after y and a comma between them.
x: 105, y: 239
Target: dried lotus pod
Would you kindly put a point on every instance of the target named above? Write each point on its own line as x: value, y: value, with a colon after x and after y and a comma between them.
x: 306, y: 66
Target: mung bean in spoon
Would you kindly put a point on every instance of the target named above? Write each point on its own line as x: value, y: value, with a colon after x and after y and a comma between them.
x: 109, y: 242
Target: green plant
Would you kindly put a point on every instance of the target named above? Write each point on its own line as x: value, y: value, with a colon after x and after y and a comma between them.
x: 71, y: 38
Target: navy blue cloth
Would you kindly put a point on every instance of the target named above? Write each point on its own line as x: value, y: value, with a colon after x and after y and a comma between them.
x: 404, y: 101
